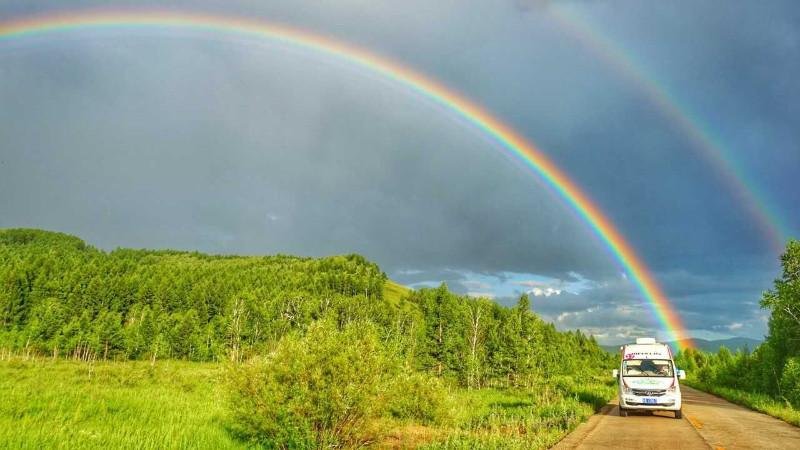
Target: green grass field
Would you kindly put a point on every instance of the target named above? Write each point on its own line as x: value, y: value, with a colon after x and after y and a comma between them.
x: 519, y: 419
x: 173, y: 404
x: 68, y: 404
x: 755, y: 401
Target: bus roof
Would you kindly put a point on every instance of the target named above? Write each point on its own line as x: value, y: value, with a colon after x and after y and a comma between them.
x: 646, y: 351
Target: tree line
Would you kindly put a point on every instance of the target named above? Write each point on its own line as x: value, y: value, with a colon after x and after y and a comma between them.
x: 62, y: 297
x: 773, y: 368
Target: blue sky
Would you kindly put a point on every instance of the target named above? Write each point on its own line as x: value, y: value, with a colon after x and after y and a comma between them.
x: 196, y: 141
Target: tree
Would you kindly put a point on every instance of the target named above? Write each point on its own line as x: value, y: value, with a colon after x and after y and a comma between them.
x: 108, y: 333
x: 445, y: 331
x: 784, y: 303
x: 478, y: 316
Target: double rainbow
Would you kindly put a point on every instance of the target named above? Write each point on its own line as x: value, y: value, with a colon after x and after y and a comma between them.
x: 697, y: 132
x: 508, y: 140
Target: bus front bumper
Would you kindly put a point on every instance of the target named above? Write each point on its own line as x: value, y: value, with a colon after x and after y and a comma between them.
x: 663, y: 403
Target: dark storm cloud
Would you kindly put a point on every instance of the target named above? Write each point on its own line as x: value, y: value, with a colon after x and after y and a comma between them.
x: 260, y: 154
x: 185, y: 140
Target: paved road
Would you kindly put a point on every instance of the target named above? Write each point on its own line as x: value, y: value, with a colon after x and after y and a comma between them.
x: 708, y: 422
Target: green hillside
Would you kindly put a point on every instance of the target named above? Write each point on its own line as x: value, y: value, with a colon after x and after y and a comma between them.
x: 394, y: 292
x: 61, y: 296
x: 305, y: 352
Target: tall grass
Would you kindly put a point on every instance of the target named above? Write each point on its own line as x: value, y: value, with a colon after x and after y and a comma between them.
x: 533, y: 418
x: 174, y: 404
x: 759, y: 402
x: 77, y: 405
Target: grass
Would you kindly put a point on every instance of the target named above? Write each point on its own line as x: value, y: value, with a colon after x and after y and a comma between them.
x: 512, y: 419
x: 393, y: 292
x: 76, y: 405
x: 533, y: 418
x: 756, y: 401
x: 174, y: 404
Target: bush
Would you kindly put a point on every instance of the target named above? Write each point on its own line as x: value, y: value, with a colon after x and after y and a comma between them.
x: 705, y: 374
x: 790, y: 381
x: 415, y: 395
x: 324, y: 388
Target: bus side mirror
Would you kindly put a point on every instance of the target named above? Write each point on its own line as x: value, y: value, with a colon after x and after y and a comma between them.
x: 681, y: 374
x: 615, y: 373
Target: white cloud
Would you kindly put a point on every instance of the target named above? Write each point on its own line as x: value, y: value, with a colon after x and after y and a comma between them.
x: 565, y: 315
x: 546, y: 292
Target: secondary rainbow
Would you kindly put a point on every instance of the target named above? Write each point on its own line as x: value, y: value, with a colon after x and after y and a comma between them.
x: 772, y: 226
x: 505, y: 136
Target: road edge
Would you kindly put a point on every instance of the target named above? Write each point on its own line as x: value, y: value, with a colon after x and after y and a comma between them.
x: 583, y: 430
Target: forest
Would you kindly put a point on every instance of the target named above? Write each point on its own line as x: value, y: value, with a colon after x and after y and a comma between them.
x: 314, y: 351
x: 62, y: 297
x: 767, y: 377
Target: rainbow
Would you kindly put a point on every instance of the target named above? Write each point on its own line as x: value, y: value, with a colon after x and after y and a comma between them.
x: 698, y: 133
x: 507, y: 138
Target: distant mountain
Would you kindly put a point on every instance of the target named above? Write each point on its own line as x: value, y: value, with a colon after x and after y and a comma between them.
x: 733, y: 344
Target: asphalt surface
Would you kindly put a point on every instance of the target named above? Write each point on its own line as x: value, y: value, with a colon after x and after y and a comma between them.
x: 708, y: 422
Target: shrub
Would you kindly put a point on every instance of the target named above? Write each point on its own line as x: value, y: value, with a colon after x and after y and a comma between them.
x: 318, y: 389
x: 790, y: 381
x: 705, y: 374
x: 415, y: 395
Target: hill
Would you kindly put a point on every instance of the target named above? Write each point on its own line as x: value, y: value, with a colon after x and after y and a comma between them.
x: 322, y: 352
x: 61, y: 296
x: 733, y: 344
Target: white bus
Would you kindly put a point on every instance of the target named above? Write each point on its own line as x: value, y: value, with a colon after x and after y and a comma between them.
x: 648, y: 379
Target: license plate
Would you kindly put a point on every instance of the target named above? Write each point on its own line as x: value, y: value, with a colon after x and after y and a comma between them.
x: 650, y: 401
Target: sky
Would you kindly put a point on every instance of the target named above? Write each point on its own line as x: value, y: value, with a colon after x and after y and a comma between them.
x: 164, y: 138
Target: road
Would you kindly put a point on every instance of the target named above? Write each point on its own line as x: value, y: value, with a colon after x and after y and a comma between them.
x: 708, y: 422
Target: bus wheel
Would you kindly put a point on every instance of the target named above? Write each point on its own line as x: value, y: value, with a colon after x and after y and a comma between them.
x: 623, y: 412
x: 678, y: 414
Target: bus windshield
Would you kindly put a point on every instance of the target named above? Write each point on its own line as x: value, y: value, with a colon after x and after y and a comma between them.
x: 647, y: 368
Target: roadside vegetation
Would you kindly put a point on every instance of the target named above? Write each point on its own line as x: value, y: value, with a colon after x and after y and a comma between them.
x: 133, y: 404
x: 166, y: 349
x: 766, y: 379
